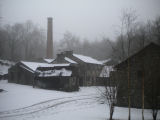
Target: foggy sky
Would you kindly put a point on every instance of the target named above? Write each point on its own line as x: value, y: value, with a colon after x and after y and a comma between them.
x: 90, y: 19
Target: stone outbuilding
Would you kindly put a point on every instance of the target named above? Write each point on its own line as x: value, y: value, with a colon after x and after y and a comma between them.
x: 44, y: 75
x: 89, y: 69
x: 144, y: 69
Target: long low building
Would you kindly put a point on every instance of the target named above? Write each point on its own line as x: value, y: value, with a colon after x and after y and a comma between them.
x: 44, y: 75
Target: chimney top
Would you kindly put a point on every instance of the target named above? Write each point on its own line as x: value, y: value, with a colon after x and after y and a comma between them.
x: 49, y: 18
x: 49, y: 39
x: 68, y: 53
x: 60, y: 57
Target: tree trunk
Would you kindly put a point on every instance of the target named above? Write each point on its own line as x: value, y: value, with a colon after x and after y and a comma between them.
x: 143, y: 76
x: 154, y: 114
x: 154, y: 117
x: 143, y: 91
x: 111, y: 112
x: 129, y: 101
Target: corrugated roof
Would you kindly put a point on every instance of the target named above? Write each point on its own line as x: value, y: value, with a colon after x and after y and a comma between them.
x: 70, y: 60
x: 34, y: 65
x: 48, y: 60
x: 87, y: 59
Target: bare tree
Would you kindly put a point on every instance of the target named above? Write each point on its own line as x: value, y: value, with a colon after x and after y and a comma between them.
x: 156, y: 29
x: 22, y: 41
x: 110, y: 93
x: 14, y: 37
x: 129, y: 19
x: 126, y: 37
x: 69, y: 41
x: 111, y: 97
x: 153, y: 100
x: 84, y: 46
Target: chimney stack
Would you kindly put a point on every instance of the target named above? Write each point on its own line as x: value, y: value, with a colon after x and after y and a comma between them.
x: 49, y: 39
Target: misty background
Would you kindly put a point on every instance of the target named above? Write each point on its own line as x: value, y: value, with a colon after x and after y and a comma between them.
x: 89, y: 27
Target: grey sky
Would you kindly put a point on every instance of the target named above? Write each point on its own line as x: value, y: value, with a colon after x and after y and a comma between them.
x: 85, y: 18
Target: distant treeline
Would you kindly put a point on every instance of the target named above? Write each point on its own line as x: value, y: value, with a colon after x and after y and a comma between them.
x: 134, y: 36
x: 132, y: 33
x: 26, y: 41
x: 22, y: 41
x: 99, y: 48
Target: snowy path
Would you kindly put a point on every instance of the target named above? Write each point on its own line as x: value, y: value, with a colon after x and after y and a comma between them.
x: 21, y: 102
x: 48, y: 105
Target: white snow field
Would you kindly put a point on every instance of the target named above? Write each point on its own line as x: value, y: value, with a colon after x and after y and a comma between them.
x: 22, y: 102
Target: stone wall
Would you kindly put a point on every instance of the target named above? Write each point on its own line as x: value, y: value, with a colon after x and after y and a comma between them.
x: 17, y: 74
x: 58, y: 83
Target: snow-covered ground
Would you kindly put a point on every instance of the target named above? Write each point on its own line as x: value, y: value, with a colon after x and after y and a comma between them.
x: 21, y: 102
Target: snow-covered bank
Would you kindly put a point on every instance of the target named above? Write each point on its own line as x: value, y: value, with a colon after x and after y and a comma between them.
x: 21, y: 102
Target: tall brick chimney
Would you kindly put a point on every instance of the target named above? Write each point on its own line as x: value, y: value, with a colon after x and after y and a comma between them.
x: 49, y: 39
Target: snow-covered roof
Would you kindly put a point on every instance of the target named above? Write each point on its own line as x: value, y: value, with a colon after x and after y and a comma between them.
x: 87, y: 59
x: 104, y: 61
x: 61, y: 72
x: 34, y: 65
x: 69, y: 60
x: 26, y: 69
x: 48, y: 60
